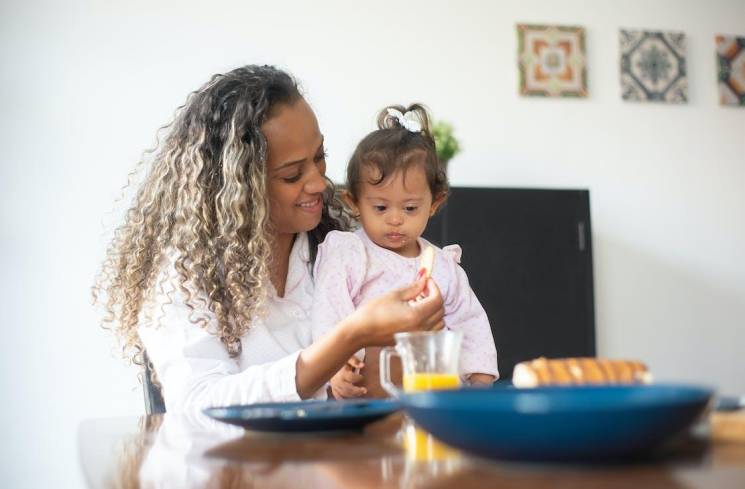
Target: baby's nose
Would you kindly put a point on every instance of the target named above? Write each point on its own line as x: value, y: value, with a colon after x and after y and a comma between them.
x: 395, y: 218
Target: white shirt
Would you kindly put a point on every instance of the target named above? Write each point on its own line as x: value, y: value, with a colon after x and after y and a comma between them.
x: 193, y: 365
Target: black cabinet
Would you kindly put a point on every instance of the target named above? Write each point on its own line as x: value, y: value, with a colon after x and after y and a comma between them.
x: 528, y: 255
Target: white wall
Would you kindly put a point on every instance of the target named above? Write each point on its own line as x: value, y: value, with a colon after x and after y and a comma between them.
x: 85, y: 85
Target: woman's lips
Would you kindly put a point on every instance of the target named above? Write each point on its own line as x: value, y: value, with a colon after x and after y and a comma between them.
x: 311, y: 206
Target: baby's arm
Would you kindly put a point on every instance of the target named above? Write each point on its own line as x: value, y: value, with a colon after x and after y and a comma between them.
x: 464, y: 312
x: 344, y: 382
x: 338, y: 274
x: 481, y: 379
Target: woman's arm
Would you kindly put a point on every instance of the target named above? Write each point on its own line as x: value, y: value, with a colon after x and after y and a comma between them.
x: 196, y: 371
x: 193, y: 365
x: 373, y: 324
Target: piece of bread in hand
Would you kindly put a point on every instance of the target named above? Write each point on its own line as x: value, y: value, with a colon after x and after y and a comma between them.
x: 426, y: 262
x: 579, y: 371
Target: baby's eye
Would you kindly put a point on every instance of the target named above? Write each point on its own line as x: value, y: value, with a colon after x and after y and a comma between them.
x: 411, y: 208
x: 379, y: 208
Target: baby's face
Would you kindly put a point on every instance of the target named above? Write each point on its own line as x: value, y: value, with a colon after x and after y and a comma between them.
x: 395, y: 212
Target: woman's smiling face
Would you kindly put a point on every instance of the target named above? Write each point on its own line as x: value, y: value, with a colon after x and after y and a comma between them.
x: 296, y: 166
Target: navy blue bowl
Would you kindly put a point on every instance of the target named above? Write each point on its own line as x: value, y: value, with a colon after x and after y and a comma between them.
x: 558, y: 423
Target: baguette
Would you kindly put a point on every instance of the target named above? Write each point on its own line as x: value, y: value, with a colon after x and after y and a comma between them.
x: 579, y: 371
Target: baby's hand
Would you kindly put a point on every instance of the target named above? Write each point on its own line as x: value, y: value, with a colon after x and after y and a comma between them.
x: 481, y: 379
x: 343, y: 382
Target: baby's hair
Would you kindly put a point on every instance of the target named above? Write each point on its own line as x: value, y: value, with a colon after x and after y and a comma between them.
x: 392, y: 148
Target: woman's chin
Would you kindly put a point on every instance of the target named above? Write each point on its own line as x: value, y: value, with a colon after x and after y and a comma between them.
x: 308, y: 223
x: 301, y: 222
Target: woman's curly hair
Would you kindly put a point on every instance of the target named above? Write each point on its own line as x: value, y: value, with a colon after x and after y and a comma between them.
x: 204, y: 201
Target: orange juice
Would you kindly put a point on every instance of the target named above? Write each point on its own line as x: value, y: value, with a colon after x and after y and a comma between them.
x: 430, y: 381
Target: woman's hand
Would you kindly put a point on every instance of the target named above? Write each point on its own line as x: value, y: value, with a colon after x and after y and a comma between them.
x: 373, y: 324
x: 418, y: 307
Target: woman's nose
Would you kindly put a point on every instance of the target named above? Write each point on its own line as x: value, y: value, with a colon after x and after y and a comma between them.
x: 316, y: 183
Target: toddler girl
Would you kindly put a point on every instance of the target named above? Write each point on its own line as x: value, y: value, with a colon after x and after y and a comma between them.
x: 395, y: 183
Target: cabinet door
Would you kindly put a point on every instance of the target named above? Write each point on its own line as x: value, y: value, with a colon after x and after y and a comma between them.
x: 528, y: 256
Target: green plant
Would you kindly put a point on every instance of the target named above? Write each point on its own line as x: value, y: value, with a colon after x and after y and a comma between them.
x: 446, y: 144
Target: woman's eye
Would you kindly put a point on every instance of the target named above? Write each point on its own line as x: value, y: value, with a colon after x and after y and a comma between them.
x: 321, y: 156
x: 292, y: 179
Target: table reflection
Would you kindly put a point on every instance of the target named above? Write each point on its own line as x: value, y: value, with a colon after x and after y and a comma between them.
x: 194, y: 451
x: 427, y: 459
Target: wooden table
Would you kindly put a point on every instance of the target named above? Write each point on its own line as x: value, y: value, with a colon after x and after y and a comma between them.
x: 195, y: 452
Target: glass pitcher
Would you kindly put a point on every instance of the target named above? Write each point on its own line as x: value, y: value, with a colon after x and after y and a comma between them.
x: 429, y: 359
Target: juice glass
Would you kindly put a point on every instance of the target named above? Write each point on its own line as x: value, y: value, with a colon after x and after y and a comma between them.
x: 429, y: 360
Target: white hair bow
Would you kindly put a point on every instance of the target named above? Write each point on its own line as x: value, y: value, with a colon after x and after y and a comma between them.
x: 408, y: 120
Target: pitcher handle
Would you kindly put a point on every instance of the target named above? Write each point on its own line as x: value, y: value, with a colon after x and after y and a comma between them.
x: 385, y: 371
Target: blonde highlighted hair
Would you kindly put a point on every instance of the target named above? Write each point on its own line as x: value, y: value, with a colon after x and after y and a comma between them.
x: 205, y: 201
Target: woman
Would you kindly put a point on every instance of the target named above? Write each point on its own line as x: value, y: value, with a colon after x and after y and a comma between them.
x: 210, y: 272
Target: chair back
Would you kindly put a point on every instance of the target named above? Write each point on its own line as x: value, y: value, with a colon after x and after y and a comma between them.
x: 154, y: 403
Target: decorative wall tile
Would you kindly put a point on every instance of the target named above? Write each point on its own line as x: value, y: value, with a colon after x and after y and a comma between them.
x: 653, y: 66
x: 552, y: 60
x: 731, y: 63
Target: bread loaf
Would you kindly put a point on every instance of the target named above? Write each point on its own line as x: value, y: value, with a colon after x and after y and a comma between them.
x: 579, y: 371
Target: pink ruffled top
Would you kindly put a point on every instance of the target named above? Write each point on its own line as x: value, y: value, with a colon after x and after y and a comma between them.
x: 350, y: 270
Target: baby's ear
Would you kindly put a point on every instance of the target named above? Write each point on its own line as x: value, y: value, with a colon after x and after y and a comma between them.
x: 437, y: 202
x: 349, y: 201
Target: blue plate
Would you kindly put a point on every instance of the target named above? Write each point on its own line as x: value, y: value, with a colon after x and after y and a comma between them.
x: 306, y: 415
x: 558, y: 423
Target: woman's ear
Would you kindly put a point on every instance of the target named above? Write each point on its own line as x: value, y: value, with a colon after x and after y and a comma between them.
x: 437, y: 202
x: 349, y: 201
